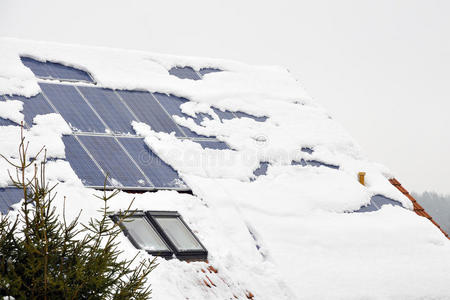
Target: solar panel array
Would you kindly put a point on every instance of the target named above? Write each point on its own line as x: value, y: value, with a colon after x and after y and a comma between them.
x: 103, y: 140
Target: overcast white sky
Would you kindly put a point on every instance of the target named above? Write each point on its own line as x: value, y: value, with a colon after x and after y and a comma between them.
x: 382, y: 68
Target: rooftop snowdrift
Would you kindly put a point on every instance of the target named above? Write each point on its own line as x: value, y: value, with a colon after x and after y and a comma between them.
x: 289, y: 233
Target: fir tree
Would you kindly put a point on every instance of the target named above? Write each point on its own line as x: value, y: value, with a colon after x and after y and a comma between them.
x: 42, y: 256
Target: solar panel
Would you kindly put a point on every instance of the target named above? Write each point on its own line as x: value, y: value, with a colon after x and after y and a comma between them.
x: 376, y: 202
x: 262, y: 169
x: 367, y: 208
x: 172, y: 105
x: 114, y: 161
x: 38, y: 68
x: 81, y: 163
x: 205, y: 71
x: 314, y: 163
x: 241, y: 114
x: 213, y: 145
x: 110, y: 108
x: 380, y: 200
x: 33, y: 106
x: 307, y: 150
x: 8, y: 197
x: 160, y: 174
x: 55, y: 70
x: 184, y: 73
x: 200, y: 117
x: 224, y: 115
x: 6, y: 122
x: 73, y: 108
x: 148, y: 110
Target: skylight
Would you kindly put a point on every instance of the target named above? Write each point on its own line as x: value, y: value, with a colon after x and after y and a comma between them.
x: 163, y: 233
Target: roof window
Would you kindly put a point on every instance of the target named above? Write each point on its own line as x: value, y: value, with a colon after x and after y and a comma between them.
x: 162, y: 233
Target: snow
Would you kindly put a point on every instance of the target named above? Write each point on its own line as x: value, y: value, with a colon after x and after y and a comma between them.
x: 11, y: 110
x: 284, y: 235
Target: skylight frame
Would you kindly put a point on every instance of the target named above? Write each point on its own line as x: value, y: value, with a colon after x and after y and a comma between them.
x: 150, y: 217
x: 143, y: 215
x: 192, y: 254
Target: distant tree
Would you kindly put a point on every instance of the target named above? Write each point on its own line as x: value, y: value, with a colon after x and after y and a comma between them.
x: 42, y: 256
x: 438, y: 206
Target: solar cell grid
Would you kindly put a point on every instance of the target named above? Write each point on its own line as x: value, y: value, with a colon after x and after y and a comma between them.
x: 110, y: 108
x: 81, y: 163
x: 114, y: 161
x: 184, y: 73
x: 241, y: 114
x: 205, y: 71
x: 71, y: 105
x: 39, y: 69
x: 148, y: 110
x: 160, y: 174
x: 59, y: 71
x: 224, y: 115
x: 172, y: 105
x: 55, y: 70
x: 8, y: 197
x: 33, y: 106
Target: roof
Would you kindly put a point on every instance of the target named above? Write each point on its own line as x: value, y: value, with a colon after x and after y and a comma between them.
x: 275, y: 196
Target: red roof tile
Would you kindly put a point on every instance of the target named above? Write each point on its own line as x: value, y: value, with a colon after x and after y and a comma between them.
x: 418, y: 209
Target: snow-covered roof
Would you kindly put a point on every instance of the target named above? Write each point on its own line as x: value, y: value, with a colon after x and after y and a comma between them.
x: 276, y: 201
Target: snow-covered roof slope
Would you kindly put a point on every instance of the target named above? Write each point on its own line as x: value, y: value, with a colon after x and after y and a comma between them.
x: 278, y: 207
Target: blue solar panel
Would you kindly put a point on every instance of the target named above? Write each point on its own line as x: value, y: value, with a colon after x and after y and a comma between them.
x: 38, y: 68
x: 114, y: 161
x: 368, y: 208
x: 73, y: 108
x: 380, y: 200
x: 36, y: 105
x: 302, y: 163
x: 307, y: 150
x: 172, y: 105
x: 55, y: 70
x: 200, y: 117
x: 8, y: 197
x: 81, y: 163
x: 376, y: 202
x: 148, y: 110
x: 159, y: 173
x: 213, y: 145
x: 224, y: 115
x: 110, y: 108
x: 241, y: 114
x: 205, y: 71
x: 314, y: 163
x: 6, y: 122
x: 262, y: 169
x: 184, y: 73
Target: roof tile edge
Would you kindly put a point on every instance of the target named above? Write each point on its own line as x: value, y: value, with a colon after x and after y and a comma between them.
x: 418, y: 209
